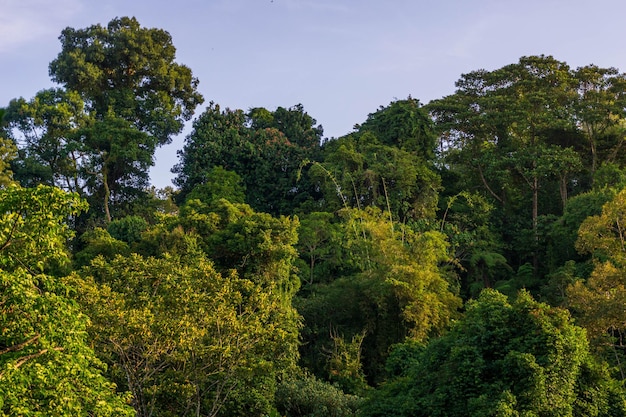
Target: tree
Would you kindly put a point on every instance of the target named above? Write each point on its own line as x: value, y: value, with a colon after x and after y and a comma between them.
x: 390, y: 288
x: 34, y: 231
x: 47, y: 366
x: 502, y: 359
x: 266, y: 149
x: 202, y: 321
x: 219, y: 183
x: 307, y: 396
x: 135, y: 98
x: 46, y: 129
x: 598, y: 302
x: 129, y: 71
x: 601, y: 112
x: 320, y: 247
x: 181, y: 337
x: 358, y: 171
x: 386, y: 162
x: 404, y: 124
x: 514, y: 127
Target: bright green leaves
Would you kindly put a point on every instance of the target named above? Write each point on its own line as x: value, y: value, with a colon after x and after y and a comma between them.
x: 33, y: 229
x: 46, y: 365
x: 181, y: 336
x: 402, y: 264
x: 388, y: 287
x: 604, y: 235
x: 8, y: 152
x: 599, y: 302
x: 182, y: 331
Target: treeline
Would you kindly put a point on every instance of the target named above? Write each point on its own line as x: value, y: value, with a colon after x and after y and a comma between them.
x: 460, y: 258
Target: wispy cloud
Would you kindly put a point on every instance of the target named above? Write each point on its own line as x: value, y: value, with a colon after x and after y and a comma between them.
x: 23, y: 21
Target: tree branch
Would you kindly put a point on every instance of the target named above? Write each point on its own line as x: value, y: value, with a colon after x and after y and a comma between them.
x: 482, y: 177
x: 26, y: 358
x: 19, y: 346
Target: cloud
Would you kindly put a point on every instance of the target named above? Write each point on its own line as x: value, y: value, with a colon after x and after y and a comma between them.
x: 24, y: 21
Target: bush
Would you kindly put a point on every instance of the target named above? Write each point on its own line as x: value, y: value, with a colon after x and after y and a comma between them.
x: 309, y: 397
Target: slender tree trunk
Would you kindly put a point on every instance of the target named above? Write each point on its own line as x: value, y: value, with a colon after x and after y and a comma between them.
x: 535, y: 221
x: 563, y: 190
x: 107, y: 194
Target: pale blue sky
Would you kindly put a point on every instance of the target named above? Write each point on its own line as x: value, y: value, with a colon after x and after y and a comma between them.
x: 341, y: 59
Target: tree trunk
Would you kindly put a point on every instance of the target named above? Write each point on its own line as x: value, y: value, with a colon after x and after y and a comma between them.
x: 107, y: 194
x: 535, y: 222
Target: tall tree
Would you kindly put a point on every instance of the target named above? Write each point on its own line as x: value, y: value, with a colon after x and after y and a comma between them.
x: 128, y: 70
x: 136, y: 95
x: 266, y: 149
x: 513, y: 127
x: 386, y: 162
x: 601, y: 111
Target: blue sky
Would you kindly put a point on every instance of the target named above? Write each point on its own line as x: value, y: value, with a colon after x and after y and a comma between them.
x: 341, y: 59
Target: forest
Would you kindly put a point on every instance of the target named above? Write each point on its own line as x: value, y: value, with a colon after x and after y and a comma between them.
x: 462, y: 257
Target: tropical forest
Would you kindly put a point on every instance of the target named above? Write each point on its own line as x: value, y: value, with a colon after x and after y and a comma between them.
x: 461, y: 257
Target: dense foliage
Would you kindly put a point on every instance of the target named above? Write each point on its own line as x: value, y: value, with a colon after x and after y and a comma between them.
x: 460, y: 258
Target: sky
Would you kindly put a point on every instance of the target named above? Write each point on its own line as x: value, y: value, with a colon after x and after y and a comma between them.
x: 340, y: 59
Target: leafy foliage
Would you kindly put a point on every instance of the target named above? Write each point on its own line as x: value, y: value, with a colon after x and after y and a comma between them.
x: 599, y: 301
x: 391, y: 288
x: 129, y: 71
x: 266, y: 149
x: 182, y: 337
x: 307, y: 396
x: 501, y: 359
x: 46, y: 364
x: 189, y: 292
x: 33, y: 228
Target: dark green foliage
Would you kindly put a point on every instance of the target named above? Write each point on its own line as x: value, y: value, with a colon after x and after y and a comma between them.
x: 386, y: 162
x: 359, y: 171
x: 403, y: 124
x: 501, y: 359
x: 98, y: 242
x: 320, y: 248
x: 528, y: 135
x: 219, y: 183
x: 127, y: 229
x: 564, y: 232
x: 266, y: 149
